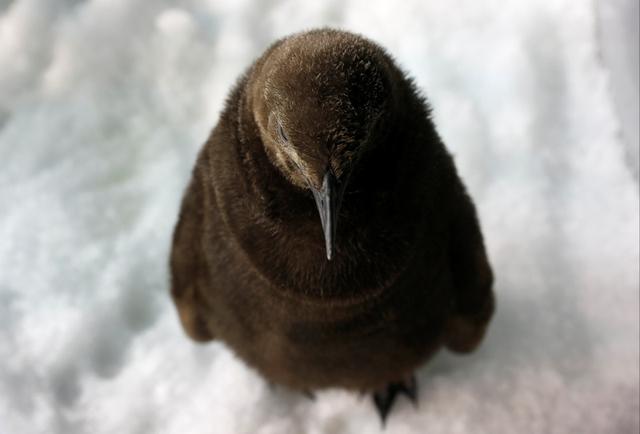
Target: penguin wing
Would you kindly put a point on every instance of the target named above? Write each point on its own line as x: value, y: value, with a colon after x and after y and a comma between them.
x: 187, y: 264
x: 472, y: 276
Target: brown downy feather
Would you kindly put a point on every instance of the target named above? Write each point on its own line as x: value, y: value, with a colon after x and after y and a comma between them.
x: 248, y: 264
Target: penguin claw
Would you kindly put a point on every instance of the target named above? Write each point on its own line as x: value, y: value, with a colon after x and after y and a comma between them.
x: 384, y: 398
x: 410, y: 388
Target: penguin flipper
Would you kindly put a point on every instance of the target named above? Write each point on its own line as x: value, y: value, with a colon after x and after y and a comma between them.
x: 188, y: 269
x: 191, y: 318
x: 474, y: 300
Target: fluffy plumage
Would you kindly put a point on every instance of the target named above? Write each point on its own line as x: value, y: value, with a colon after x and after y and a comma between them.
x: 248, y: 264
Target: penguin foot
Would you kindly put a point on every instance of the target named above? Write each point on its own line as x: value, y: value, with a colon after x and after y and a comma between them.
x: 384, y: 398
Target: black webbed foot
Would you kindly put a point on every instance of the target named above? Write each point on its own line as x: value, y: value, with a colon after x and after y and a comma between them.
x: 384, y: 398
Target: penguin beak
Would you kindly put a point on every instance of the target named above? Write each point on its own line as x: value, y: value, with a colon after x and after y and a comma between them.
x: 328, y: 200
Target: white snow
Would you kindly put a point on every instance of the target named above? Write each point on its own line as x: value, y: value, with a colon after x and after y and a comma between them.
x: 103, y: 106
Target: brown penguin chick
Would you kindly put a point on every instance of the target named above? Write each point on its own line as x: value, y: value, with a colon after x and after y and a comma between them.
x: 393, y: 269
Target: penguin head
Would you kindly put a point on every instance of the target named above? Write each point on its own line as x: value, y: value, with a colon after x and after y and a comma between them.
x: 319, y: 99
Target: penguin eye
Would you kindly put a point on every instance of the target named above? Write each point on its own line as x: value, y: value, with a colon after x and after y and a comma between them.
x: 281, y: 134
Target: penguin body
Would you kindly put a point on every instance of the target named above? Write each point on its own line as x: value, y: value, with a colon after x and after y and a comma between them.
x: 392, y: 270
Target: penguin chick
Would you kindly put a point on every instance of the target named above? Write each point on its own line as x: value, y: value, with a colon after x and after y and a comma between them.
x: 325, y: 235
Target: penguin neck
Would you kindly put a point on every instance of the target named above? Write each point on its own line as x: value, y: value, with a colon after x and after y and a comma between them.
x: 277, y: 225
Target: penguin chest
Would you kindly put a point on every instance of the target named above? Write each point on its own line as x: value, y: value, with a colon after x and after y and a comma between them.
x: 359, y: 352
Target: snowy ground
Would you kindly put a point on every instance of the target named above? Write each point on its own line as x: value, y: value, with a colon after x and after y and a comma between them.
x: 103, y: 106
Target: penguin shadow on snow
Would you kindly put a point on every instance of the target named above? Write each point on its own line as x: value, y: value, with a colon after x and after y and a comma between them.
x: 110, y: 331
x: 538, y: 321
x: 553, y: 320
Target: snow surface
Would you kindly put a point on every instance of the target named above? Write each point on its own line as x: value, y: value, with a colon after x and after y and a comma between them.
x: 103, y: 106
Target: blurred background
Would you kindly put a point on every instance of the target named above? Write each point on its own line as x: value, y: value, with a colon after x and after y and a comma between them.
x: 103, y: 107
